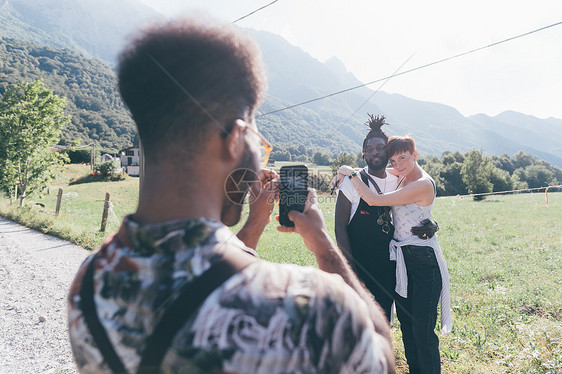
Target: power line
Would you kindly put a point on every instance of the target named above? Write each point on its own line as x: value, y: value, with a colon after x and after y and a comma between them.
x: 371, y: 96
x: 413, y: 69
x: 239, y: 19
x: 257, y: 10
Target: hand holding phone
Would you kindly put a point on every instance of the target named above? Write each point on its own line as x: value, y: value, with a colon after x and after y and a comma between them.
x: 293, y: 191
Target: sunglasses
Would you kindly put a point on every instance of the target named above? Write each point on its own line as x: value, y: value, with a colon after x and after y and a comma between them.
x: 265, y: 145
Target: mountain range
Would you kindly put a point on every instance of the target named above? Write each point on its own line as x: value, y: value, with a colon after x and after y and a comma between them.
x: 98, y: 29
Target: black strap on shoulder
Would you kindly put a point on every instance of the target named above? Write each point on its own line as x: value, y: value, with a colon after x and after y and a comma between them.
x: 95, y: 327
x: 366, y: 176
x: 363, y: 173
x: 434, y: 186
x: 191, y: 296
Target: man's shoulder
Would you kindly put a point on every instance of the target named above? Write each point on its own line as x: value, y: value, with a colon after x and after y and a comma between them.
x: 319, y: 309
x: 349, y: 190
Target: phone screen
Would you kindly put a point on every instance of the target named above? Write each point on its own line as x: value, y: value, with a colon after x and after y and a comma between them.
x: 292, y: 191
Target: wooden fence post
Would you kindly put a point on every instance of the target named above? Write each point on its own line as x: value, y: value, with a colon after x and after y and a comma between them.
x: 105, y: 212
x: 59, y: 200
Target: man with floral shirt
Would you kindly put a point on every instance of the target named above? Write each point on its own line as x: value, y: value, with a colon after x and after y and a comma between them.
x: 193, y: 87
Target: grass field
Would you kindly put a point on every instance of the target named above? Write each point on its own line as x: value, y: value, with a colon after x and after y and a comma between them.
x: 503, y: 254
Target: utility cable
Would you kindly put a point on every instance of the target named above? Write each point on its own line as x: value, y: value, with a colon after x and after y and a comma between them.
x: 257, y: 10
x: 413, y: 69
x: 371, y: 96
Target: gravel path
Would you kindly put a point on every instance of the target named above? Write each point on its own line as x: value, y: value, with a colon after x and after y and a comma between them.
x: 35, y: 274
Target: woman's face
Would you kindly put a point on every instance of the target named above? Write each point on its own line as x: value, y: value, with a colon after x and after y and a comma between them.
x: 404, y: 162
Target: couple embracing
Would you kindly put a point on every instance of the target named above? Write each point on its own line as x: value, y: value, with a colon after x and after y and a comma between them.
x: 383, y: 226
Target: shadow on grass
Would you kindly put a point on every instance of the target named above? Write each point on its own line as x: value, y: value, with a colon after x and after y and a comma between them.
x: 90, y: 178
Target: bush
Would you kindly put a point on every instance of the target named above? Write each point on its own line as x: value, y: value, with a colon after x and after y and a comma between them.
x: 106, y: 170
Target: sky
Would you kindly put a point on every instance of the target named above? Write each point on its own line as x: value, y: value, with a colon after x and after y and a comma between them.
x: 374, y: 38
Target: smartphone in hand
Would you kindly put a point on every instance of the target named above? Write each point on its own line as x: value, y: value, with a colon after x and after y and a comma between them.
x: 292, y: 191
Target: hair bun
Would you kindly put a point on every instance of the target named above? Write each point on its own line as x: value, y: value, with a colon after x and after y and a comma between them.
x: 375, y: 122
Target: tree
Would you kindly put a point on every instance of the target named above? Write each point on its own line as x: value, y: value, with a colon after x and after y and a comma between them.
x: 31, y: 120
x: 448, y: 158
x: 80, y: 156
x: 475, y: 172
x: 321, y: 158
x: 433, y: 166
x: 301, y: 158
x: 501, y: 180
x: 452, y: 179
x: 536, y: 176
x: 503, y: 162
x: 522, y: 160
x: 280, y: 154
x: 343, y: 159
x: 360, y: 160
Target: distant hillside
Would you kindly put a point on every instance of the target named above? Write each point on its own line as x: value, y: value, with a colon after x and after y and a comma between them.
x: 97, y: 111
x: 541, y: 137
x: 295, y: 77
x: 332, y: 125
x: 93, y: 28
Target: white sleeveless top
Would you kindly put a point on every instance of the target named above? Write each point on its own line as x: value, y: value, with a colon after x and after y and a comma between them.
x: 406, y: 216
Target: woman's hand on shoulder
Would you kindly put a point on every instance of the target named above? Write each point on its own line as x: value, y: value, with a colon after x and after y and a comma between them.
x: 346, y: 170
x: 343, y: 171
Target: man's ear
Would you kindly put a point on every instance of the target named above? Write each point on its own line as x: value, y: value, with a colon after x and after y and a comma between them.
x: 234, y: 142
x: 415, y: 153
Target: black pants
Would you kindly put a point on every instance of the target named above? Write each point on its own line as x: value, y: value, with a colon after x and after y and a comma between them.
x: 418, y: 313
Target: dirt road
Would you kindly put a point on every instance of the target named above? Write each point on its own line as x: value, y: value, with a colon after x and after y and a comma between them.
x: 35, y: 273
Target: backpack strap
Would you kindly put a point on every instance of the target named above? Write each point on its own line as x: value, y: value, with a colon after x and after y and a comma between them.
x: 191, y: 296
x: 88, y: 307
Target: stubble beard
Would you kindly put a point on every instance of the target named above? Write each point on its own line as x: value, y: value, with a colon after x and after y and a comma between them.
x: 377, y: 165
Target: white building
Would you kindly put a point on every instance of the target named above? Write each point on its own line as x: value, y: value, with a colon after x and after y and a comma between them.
x: 130, y: 161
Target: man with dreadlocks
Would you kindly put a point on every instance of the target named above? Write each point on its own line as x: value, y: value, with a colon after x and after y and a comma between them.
x: 364, y: 232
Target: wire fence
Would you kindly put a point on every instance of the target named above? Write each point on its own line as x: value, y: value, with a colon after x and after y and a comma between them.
x: 537, y: 189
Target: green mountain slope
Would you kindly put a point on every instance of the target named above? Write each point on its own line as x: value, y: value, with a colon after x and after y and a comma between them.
x: 98, y: 114
x: 97, y: 111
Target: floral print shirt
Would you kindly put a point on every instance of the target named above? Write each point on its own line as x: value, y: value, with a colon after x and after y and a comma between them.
x: 268, y: 318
